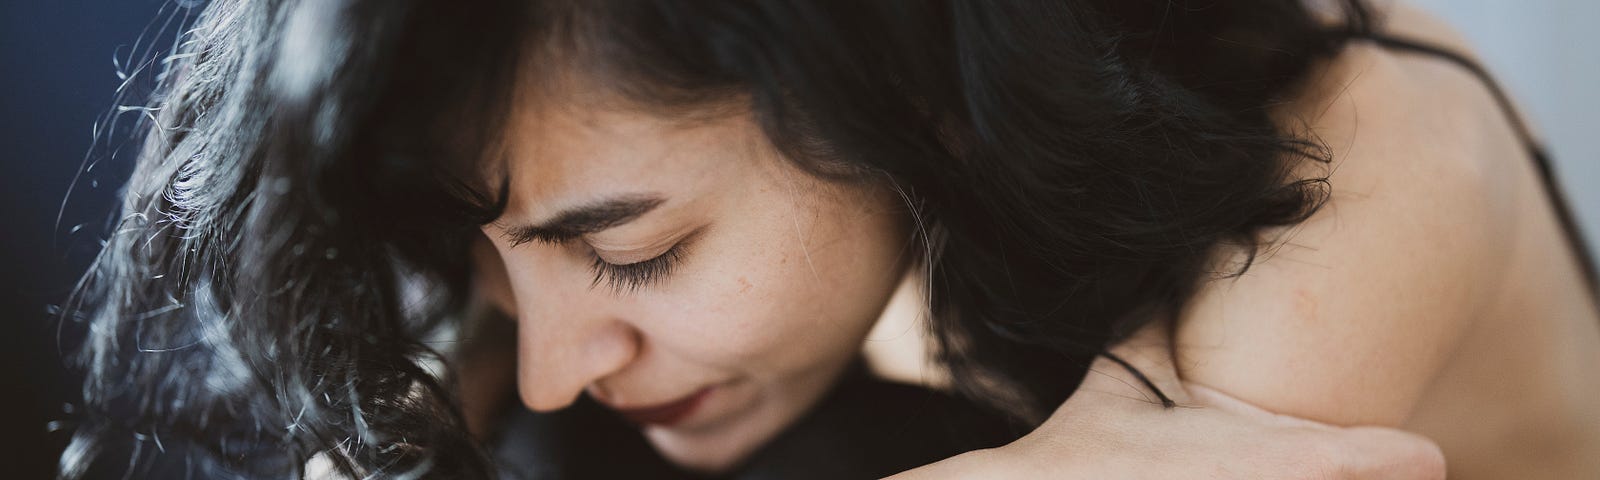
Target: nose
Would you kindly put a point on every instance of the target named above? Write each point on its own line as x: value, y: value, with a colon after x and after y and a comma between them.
x: 567, y: 338
x: 568, y: 335
x: 558, y: 357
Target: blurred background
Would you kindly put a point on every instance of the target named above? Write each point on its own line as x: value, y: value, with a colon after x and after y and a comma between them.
x: 59, y: 79
x: 61, y: 60
x: 1547, y: 53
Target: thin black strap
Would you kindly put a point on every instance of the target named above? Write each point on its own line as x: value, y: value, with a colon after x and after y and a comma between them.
x: 1547, y: 172
x: 1166, y: 402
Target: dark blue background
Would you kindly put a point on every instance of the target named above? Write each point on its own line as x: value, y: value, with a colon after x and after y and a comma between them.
x: 56, y: 78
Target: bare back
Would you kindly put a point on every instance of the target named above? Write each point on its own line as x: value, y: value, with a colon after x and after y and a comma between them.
x: 1518, y: 396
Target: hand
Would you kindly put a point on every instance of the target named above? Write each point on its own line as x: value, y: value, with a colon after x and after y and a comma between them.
x: 1113, y: 427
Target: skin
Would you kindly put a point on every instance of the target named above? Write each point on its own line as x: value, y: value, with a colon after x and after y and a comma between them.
x: 1347, y: 321
x: 1435, y: 293
x: 780, y: 275
x: 1437, y: 287
x: 803, y: 269
x: 1111, y: 428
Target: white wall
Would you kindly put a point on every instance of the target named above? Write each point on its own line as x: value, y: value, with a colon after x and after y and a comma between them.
x: 1547, y: 53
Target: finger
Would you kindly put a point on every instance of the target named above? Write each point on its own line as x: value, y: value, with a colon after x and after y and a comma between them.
x: 974, y: 464
x: 1210, y: 397
x: 1377, y: 452
x: 1361, y: 452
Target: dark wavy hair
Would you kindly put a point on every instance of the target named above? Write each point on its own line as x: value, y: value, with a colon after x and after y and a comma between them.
x: 296, y: 227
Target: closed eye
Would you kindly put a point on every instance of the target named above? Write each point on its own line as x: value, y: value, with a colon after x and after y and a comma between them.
x: 629, y: 277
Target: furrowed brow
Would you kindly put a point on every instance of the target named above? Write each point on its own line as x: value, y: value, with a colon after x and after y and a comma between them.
x: 583, y: 220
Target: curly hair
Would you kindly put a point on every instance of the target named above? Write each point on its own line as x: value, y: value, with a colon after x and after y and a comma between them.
x: 296, y: 227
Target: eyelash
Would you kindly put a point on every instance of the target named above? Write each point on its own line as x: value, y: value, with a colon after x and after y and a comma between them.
x: 630, y: 277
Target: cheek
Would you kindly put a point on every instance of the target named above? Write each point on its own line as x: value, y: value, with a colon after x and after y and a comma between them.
x: 744, y: 311
x: 765, y: 298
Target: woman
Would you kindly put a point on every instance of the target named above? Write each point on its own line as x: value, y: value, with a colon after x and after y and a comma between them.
x: 701, y: 209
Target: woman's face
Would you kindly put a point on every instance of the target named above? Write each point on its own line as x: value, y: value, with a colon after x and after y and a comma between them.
x: 684, y: 272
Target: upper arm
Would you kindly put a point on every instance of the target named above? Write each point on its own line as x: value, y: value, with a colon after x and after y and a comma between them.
x: 1347, y: 317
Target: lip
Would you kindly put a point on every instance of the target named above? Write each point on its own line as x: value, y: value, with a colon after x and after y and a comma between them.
x: 666, y: 414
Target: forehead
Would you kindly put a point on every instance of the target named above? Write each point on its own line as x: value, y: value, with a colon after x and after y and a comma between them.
x: 566, y: 149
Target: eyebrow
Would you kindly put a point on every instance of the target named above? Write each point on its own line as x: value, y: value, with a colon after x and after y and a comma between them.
x: 584, y: 219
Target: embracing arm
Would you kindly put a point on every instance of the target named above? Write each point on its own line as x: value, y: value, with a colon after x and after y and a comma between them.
x: 1111, y: 428
x: 1344, y: 319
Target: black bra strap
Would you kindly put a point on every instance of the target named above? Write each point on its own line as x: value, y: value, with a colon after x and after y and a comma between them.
x: 1547, y: 172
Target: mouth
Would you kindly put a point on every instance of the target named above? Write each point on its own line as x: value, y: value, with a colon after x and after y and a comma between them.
x: 666, y: 414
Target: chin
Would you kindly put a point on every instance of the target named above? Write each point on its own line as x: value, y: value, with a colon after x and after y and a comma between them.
x: 736, y: 420
x: 699, y: 455
x: 721, y: 445
x: 717, y: 448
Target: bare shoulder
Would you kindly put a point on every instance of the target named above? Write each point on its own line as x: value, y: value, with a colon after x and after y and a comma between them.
x: 1348, y: 316
x: 1393, y: 118
x: 1370, y: 97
